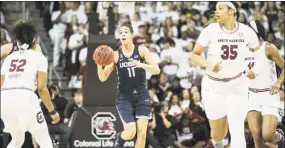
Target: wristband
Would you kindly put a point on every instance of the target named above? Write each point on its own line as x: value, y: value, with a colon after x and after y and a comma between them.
x: 53, y: 112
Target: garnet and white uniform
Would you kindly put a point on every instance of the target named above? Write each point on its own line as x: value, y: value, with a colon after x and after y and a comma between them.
x: 259, y: 88
x: 20, y: 109
x: 225, y: 93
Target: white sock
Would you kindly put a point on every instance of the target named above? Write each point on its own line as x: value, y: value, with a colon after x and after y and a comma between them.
x: 218, y: 144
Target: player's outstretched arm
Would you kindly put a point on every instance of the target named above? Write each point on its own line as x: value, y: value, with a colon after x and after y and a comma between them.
x: 43, y: 90
x: 151, y: 65
x: 45, y: 96
x: 273, y: 53
x: 104, y: 74
x: 42, y: 87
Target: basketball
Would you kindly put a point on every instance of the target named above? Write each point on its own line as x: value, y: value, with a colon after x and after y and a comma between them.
x: 103, y: 55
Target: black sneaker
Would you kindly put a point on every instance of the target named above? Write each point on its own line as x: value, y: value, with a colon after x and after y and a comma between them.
x: 119, y: 143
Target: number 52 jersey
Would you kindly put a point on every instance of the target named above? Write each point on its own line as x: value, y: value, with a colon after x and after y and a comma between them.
x: 20, y: 69
x: 228, y: 47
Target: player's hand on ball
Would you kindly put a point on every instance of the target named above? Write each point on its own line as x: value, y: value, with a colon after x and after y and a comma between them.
x: 275, y: 88
x: 55, y: 118
x: 251, y: 75
x: 217, y: 67
x: 136, y: 63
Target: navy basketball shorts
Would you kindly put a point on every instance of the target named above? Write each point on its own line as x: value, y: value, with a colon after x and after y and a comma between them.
x: 132, y: 106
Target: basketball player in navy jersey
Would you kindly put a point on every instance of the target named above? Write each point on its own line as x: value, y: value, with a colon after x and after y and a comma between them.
x: 133, y: 100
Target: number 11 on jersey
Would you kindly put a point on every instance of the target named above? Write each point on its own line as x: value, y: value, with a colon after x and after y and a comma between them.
x: 131, y: 71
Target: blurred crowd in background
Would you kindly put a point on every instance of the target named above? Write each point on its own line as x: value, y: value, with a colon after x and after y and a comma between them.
x: 170, y: 31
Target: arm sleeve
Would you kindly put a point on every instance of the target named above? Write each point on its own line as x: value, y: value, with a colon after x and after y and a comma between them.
x: 253, y: 39
x: 42, y: 63
x: 204, y: 38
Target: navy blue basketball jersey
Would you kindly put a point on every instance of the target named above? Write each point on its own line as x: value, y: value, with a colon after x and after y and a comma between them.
x: 130, y: 78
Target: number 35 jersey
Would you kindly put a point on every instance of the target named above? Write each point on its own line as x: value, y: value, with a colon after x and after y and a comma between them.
x: 228, y: 47
x: 20, y: 69
x: 130, y: 78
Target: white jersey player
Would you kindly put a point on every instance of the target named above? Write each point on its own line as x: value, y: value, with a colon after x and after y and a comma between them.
x: 263, y: 93
x: 20, y: 71
x: 224, y: 87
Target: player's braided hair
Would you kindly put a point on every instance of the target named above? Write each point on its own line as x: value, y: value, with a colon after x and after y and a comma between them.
x: 129, y: 25
x: 25, y: 32
x: 258, y: 28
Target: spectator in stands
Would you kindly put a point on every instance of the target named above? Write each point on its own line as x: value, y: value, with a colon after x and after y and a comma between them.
x: 56, y: 33
x: 242, y: 18
x: 166, y: 36
x: 72, y: 107
x: 136, y: 23
x: 189, y: 74
x: 62, y: 129
x: 150, y: 139
x: 77, y: 42
x: 193, y: 33
x: 163, y: 87
x: 196, y: 103
x: 175, y: 109
x: 258, y: 15
x: 168, y: 23
x: 189, y: 11
x: 153, y: 15
x: 167, y: 55
x: 170, y: 13
x: 75, y: 10
x: 166, y: 126
x: 88, y: 7
x: 141, y: 38
x: 185, y: 103
x: 176, y: 88
x: 270, y: 10
x: 279, y: 22
x: 153, y: 97
x: 191, y: 121
x: 194, y: 89
x: 82, y: 59
x: 59, y: 101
